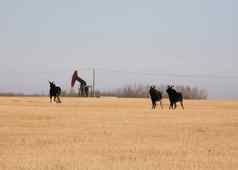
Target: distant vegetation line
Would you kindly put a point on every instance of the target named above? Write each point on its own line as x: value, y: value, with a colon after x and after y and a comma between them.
x: 141, y: 91
x: 12, y: 94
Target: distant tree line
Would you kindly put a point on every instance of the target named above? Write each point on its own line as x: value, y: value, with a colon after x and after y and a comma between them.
x: 11, y: 94
x: 141, y: 91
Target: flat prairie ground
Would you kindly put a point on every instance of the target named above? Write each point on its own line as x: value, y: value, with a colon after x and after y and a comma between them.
x: 113, y: 134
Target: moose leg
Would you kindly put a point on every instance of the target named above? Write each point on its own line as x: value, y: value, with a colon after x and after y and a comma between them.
x: 58, y: 99
x: 170, y: 106
x: 182, y: 104
x: 153, y: 104
x: 174, y: 106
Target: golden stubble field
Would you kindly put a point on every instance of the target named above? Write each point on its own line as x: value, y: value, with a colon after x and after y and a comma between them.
x: 112, y: 134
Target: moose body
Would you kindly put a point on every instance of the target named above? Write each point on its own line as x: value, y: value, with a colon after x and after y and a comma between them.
x: 174, y: 97
x: 155, y: 95
x: 55, y: 92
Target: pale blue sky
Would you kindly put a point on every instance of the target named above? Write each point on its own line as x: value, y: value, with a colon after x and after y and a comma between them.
x: 50, y: 39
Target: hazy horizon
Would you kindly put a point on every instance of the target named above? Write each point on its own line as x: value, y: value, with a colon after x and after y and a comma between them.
x: 48, y: 40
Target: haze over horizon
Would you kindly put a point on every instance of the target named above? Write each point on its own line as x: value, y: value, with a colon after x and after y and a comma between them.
x: 48, y: 40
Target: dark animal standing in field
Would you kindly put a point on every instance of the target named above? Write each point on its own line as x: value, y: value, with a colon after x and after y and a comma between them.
x: 174, y: 97
x: 55, y: 92
x: 155, y: 95
x: 84, y: 88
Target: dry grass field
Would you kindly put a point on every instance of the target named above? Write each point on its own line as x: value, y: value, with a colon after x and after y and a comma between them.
x: 112, y: 134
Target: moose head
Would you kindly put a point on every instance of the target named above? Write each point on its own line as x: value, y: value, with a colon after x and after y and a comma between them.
x: 52, y: 84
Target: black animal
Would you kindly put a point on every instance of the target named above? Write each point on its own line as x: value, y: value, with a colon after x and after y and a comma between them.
x: 174, y: 97
x: 155, y: 95
x: 55, y: 92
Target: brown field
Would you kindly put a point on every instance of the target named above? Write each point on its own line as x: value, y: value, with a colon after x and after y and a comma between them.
x: 111, y: 134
